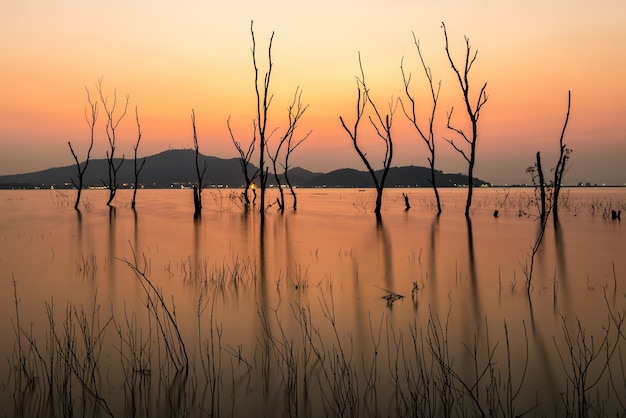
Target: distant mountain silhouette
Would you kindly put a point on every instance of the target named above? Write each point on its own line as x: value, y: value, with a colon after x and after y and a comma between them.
x: 409, y: 176
x: 176, y: 168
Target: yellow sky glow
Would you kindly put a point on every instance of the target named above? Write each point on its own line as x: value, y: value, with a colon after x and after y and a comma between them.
x: 171, y: 58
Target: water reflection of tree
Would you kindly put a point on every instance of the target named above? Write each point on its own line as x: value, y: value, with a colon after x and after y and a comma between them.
x: 367, y: 327
x: 196, y: 262
x: 475, y: 295
x: 539, y: 343
x: 263, y: 296
x: 111, y: 248
x: 79, y: 227
x: 382, y: 239
x: 432, y: 262
x: 88, y: 266
x: 293, y: 271
x: 263, y: 307
x: 135, y: 230
x: 562, y: 274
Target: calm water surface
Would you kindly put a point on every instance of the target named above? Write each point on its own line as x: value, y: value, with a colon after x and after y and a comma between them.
x: 332, y: 260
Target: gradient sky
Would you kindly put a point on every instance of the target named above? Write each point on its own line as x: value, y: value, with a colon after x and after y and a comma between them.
x: 172, y: 57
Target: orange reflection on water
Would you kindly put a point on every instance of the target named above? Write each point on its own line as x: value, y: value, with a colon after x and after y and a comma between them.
x: 330, y: 260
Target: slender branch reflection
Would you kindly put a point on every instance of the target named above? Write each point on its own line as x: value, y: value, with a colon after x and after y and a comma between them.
x: 79, y: 228
x: 111, y: 249
x: 545, y: 370
x: 264, y: 301
x: 384, y: 243
x: 196, y: 261
x: 475, y: 296
x: 263, y: 310
x: 562, y: 273
x: 432, y: 262
x: 135, y: 230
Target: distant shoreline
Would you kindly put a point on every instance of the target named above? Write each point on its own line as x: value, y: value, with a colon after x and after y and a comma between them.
x: 221, y: 187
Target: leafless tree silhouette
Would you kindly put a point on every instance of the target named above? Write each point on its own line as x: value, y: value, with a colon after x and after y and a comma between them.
x: 137, y: 168
x: 292, y: 143
x: 382, y: 126
x: 263, y: 102
x: 427, y: 134
x: 559, y: 170
x: 91, y: 116
x: 473, y: 107
x: 280, y: 200
x: 295, y: 112
x: 538, y: 179
x: 549, y: 194
x: 113, y: 120
x: 244, y: 161
x: 200, y: 172
x: 540, y: 187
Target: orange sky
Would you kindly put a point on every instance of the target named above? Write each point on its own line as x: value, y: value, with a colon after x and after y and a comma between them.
x: 172, y: 57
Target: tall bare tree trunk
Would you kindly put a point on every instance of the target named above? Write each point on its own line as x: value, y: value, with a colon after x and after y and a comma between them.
x: 91, y: 116
x: 291, y: 146
x: 200, y: 172
x: 559, y: 170
x: 427, y: 136
x: 263, y: 101
x: 542, y: 189
x: 244, y: 161
x: 287, y: 142
x: 112, y: 123
x: 137, y: 168
x: 383, y: 130
x: 473, y: 113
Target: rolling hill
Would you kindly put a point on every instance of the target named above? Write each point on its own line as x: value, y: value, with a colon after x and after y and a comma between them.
x: 176, y: 168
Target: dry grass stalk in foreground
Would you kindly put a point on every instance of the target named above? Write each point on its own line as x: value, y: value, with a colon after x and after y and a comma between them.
x: 300, y: 365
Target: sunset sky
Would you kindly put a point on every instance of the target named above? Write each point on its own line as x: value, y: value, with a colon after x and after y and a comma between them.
x: 172, y: 57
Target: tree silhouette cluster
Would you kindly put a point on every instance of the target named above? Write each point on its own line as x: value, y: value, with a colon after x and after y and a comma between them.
x: 114, y: 117
x: 382, y: 124
x: 464, y: 141
x: 284, y: 146
x: 274, y: 146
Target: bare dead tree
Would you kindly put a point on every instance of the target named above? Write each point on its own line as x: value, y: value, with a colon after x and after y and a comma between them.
x: 427, y: 134
x: 292, y: 143
x: 542, y: 190
x: 559, y: 170
x: 91, y: 116
x: 547, y: 193
x: 538, y: 179
x: 263, y: 102
x: 382, y: 126
x: 200, y: 172
x: 112, y: 122
x: 472, y: 107
x: 137, y: 168
x: 244, y: 160
x: 295, y: 112
x: 280, y: 200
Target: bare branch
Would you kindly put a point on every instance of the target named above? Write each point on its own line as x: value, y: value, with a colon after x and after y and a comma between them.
x: 140, y: 167
x: 112, y: 122
x: 197, y: 192
x: 264, y: 101
x: 382, y: 126
x: 560, y: 169
x: 473, y: 113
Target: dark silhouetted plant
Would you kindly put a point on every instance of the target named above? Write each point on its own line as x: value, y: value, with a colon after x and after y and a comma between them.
x: 410, y: 111
x: 473, y: 107
x: 91, y: 116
